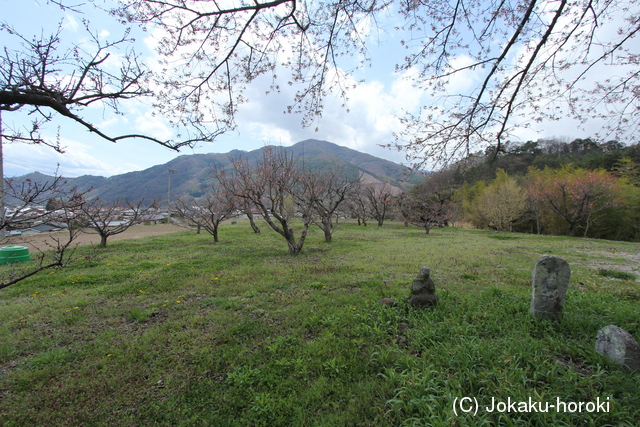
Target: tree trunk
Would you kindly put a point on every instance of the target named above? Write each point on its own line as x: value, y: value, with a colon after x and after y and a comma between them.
x: 326, y: 227
x: 215, y: 233
x: 254, y: 227
x: 294, y: 248
x: 327, y: 235
x: 103, y: 240
x: 586, y: 229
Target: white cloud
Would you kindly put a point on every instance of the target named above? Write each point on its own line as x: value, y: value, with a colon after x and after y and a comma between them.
x: 154, y: 126
x: 77, y: 160
x: 268, y: 132
x: 462, y: 81
x: 108, y: 123
x: 70, y: 23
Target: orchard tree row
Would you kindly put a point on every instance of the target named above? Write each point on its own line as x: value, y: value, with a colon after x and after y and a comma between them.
x: 288, y: 197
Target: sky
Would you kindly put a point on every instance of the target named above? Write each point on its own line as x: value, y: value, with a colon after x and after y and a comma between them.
x: 374, y: 107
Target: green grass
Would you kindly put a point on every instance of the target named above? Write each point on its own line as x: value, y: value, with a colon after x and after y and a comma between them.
x: 178, y: 331
x: 617, y: 274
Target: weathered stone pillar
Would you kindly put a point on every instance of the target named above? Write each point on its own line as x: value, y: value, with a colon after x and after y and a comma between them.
x: 550, y: 282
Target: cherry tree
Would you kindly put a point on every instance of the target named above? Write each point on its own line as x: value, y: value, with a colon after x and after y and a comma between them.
x: 326, y: 191
x: 109, y: 219
x: 577, y: 196
x: 209, y: 211
x: 380, y: 198
x: 524, y: 60
x: 274, y: 186
x: 26, y: 199
x: 46, y: 76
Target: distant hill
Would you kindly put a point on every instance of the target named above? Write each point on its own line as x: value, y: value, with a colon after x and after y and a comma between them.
x: 192, y: 173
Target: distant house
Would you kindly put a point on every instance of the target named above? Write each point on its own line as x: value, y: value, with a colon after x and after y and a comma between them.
x: 154, y: 219
x: 46, y: 228
x: 115, y: 223
x: 28, y: 229
x: 29, y: 232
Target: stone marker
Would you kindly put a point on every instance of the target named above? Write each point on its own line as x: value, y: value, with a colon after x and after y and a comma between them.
x: 423, y: 290
x: 550, y: 282
x: 619, y: 346
x: 389, y: 302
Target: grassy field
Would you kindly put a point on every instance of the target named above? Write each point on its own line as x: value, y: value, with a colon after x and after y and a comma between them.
x: 177, y: 331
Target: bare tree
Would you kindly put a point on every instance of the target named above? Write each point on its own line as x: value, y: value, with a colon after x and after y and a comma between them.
x: 47, y: 76
x: 380, y: 198
x: 326, y: 191
x: 247, y: 209
x: 109, y: 219
x: 358, y: 205
x: 431, y: 203
x: 209, y: 211
x: 26, y: 199
x: 274, y: 187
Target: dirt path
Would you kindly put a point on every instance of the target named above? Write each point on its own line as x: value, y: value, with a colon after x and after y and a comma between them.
x: 36, y: 241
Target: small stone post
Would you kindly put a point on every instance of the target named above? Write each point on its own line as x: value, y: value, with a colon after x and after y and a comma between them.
x: 550, y: 282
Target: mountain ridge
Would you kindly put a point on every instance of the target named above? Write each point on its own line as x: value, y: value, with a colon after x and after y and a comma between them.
x: 191, y: 173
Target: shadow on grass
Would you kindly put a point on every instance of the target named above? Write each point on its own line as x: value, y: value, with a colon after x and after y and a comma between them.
x: 501, y: 237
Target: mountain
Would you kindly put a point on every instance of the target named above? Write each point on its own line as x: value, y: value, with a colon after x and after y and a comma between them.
x: 191, y: 174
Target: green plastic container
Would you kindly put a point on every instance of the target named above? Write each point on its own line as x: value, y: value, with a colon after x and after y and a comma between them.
x: 11, y: 254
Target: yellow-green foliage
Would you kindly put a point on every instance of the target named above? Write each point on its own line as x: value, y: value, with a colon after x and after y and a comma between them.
x: 468, y: 196
x: 496, y: 205
x: 502, y: 202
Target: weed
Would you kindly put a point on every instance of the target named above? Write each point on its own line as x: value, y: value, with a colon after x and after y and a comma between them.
x: 137, y: 314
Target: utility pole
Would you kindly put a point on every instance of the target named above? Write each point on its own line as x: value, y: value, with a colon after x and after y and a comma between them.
x: 171, y: 171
